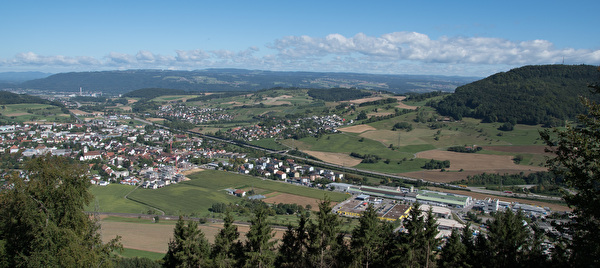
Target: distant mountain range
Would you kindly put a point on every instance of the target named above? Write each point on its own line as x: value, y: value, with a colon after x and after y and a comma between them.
x: 19, y: 77
x: 120, y: 82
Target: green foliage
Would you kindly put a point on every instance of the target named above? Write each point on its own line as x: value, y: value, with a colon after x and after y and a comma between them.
x: 379, y: 102
x: 437, y: 164
x: 322, y: 233
x: 12, y: 98
x: 464, y: 149
x: 188, y: 248
x: 338, y: 94
x: 42, y: 221
x: 225, y: 250
x: 577, y: 153
x: 546, y: 94
x: 540, y: 177
x: 259, y: 247
x: 403, y: 125
x: 151, y: 93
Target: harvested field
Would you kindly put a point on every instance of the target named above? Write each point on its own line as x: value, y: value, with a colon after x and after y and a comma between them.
x: 357, y: 129
x: 359, y: 101
x: 276, y: 198
x: 335, y: 158
x: 402, y: 105
x: 130, y: 101
x: 477, y: 162
x: 155, y: 119
x: 155, y: 237
x: 481, y: 196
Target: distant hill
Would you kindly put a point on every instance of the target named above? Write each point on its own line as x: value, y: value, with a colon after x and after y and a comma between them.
x: 543, y: 94
x: 12, y: 98
x: 18, y: 77
x: 120, y: 82
x: 151, y: 93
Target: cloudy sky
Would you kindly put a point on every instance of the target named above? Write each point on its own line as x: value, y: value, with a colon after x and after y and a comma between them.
x: 467, y: 38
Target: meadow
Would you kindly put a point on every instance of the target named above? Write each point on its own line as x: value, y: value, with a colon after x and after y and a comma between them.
x: 193, y: 197
x: 34, y: 112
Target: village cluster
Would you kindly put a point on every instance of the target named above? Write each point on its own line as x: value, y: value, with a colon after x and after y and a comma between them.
x: 192, y: 114
x: 284, y: 129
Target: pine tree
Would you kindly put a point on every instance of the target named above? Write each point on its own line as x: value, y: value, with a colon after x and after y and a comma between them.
x: 189, y: 247
x: 42, y: 219
x: 226, y: 248
x: 367, y: 240
x: 454, y: 252
x: 322, y: 236
x: 577, y: 153
x: 292, y: 252
x: 431, y: 241
x: 259, y: 248
x: 508, y: 238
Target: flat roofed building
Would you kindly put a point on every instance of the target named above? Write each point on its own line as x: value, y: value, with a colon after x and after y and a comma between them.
x: 443, y: 199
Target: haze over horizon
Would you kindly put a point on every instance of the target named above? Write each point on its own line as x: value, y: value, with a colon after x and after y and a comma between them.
x: 466, y: 38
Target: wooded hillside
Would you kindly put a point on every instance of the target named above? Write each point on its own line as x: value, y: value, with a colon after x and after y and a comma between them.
x: 544, y: 94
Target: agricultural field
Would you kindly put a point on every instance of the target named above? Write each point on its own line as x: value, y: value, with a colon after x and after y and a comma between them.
x: 196, y: 196
x: 143, y: 238
x: 30, y: 113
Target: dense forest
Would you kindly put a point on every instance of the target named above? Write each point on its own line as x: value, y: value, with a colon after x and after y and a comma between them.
x: 210, y: 80
x: 546, y: 94
x: 338, y: 94
x: 12, y: 98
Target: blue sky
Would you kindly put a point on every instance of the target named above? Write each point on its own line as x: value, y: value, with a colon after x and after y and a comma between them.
x: 468, y: 38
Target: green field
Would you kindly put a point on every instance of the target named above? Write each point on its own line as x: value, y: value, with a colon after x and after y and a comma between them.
x: 34, y: 112
x: 130, y: 253
x: 195, y: 196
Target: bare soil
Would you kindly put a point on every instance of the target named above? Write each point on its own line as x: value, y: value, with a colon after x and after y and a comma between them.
x: 402, y: 105
x: 357, y: 128
x: 156, y: 237
x: 335, y: 158
x: 276, y: 198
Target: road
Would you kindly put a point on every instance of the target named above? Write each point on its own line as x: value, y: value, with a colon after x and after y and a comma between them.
x: 355, y: 170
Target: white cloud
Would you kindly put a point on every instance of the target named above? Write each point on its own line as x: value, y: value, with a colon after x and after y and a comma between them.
x: 397, y: 52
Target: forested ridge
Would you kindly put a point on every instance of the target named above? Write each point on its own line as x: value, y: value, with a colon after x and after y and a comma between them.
x: 542, y: 94
x: 210, y: 80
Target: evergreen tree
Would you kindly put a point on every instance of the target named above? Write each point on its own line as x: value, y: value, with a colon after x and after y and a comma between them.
x: 225, y: 248
x: 322, y: 236
x: 189, y: 247
x: 431, y: 242
x: 367, y: 240
x: 42, y: 219
x: 454, y: 253
x: 292, y: 252
x: 259, y: 248
x: 577, y: 153
x: 418, y: 244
